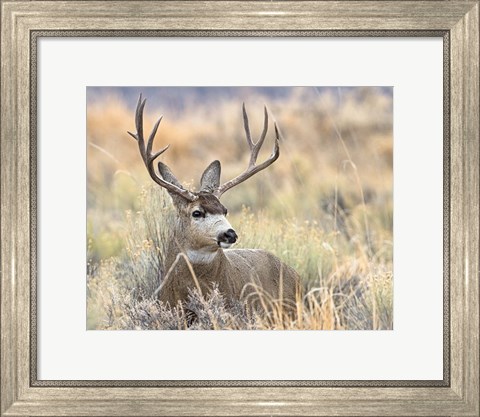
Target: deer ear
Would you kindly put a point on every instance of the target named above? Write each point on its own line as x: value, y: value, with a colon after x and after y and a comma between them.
x: 167, y: 175
x: 211, y: 177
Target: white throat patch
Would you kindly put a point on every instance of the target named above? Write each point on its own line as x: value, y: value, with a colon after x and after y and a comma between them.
x: 200, y: 256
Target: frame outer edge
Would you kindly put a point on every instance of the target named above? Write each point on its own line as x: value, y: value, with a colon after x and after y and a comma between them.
x: 456, y: 214
x: 8, y: 190
x: 14, y: 217
x: 23, y: 205
x: 465, y: 215
x: 472, y: 167
x: 244, y: 15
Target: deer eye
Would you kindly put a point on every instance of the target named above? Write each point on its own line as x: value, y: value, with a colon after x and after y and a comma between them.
x: 197, y: 214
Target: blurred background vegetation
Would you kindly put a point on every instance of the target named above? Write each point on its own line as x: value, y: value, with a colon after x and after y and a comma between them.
x: 325, y: 206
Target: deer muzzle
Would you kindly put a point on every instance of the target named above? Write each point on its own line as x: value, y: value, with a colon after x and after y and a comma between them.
x: 226, y: 239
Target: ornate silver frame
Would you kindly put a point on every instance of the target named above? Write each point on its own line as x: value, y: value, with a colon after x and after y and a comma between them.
x: 24, y: 22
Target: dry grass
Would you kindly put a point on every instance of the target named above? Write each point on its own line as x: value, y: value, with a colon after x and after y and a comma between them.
x: 325, y: 208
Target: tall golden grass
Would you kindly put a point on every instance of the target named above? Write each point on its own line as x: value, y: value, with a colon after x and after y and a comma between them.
x: 325, y: 207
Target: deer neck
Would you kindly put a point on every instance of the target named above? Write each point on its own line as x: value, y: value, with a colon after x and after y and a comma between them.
x: 202, y: 260
x: 206, y: 265
x: 202, y: 257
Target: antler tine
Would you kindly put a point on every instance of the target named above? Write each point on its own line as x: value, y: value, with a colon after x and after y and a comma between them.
x: 252, y: 168
x: 247, y: 127
x: 152, y: 137
x: 138, y: 121
x: 158, y: 153
x: 257, y: 146
x: 148, y: 157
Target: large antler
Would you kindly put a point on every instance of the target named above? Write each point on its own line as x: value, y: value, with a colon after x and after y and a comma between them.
x: 252, y: 168
x: 149, y: 157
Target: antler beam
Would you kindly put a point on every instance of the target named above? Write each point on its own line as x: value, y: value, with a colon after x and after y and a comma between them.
x: 252, y: 168
x: 149, y: 157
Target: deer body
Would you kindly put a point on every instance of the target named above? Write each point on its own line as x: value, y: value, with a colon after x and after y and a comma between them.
x: 199, y: 255
x: 233, y: 271
x: 238, y: 273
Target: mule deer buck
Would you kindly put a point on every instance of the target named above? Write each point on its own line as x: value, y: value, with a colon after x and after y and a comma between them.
x: 203, y: 235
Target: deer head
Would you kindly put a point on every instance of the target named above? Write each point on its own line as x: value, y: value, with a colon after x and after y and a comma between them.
x: 202, y: 216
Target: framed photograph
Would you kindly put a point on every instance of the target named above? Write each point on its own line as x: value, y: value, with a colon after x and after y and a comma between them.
x: 302, y: 174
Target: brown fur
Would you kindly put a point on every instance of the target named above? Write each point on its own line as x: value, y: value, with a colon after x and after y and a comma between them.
x: 211, y: 204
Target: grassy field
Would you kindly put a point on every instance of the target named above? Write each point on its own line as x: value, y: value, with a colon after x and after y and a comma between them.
x: 325, y: 207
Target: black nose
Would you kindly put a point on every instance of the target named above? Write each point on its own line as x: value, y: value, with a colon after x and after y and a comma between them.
x: 229, y: 236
